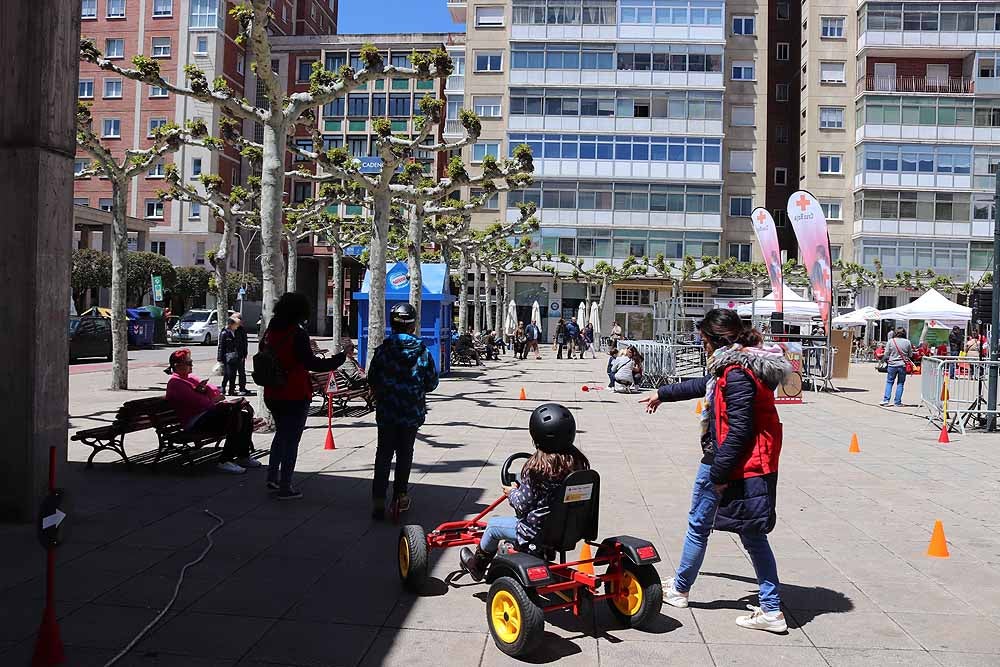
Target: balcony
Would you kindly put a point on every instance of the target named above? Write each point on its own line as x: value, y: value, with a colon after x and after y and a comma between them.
x: 873, y: 83
x: 673, y: 126
x: 656, y: 220
x: 611, y: 169
x: 453, y: 128
x: 457, y: 10
x: 589, y: 77
x: 566, y: 33
x: 455, y: 83
x: 965, y: 40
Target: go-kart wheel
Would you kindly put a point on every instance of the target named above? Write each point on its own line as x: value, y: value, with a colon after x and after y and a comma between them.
x: 516, y: 623
x: 412, y: 557
x: 640, y: 597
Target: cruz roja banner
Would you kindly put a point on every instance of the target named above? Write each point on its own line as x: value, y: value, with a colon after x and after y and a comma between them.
x: 809, y: 224
x: 767, y: 237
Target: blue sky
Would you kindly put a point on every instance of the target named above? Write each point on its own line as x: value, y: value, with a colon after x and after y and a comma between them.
x: 379, y: 16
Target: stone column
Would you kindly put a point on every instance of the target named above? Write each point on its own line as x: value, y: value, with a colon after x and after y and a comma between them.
x: 322, y: 274
x: 39, y: 41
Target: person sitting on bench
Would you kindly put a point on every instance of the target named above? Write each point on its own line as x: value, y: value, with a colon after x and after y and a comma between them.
x: 351, y: 369
x: 202, y: 407
x: 553, y: 429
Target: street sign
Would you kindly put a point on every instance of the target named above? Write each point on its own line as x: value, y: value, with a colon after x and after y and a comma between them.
x: 157, y: 288
x: 354, y: 250
x: 370, y: 165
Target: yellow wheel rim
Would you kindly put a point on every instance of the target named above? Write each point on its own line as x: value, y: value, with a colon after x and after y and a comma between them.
x: 506, y: 616
x: 628, y: 599
x: 404, y: 556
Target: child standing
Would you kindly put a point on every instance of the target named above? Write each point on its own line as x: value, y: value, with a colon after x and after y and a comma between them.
x: 612, y: 355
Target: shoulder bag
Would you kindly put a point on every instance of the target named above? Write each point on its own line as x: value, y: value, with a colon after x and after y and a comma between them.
x: 267, y: 369
x: 909, y: 364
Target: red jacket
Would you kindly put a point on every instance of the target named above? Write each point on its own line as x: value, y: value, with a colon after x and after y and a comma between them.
x: 291, y: 347
x: 762, y: 457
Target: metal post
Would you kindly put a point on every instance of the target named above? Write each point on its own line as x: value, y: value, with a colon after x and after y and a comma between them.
x: 991, y: 403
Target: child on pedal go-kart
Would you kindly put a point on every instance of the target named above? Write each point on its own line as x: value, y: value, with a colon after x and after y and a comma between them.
x: 553, y: 430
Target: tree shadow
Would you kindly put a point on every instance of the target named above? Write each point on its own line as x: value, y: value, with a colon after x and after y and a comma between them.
x: 804, y: 602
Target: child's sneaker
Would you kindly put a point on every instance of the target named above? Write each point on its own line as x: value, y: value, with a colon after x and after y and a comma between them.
x: 758, y: 619
x: 672, y: 596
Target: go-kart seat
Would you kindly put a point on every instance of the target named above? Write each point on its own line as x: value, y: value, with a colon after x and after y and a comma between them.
x: 572, y: 515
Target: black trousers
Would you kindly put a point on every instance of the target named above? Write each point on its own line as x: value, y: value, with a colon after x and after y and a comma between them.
x: 229, y: 372
x: 233, y: 421
x: 242, y: 370
x: 396, y: 440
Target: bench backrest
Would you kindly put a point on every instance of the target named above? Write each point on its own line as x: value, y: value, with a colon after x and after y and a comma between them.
x: 574, y: 512
x: 156, y: 410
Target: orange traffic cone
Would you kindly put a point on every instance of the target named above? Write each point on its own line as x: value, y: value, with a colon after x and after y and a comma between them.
x: 523, y: 396
x: 698, y: 408
x: 854, y: 448
x: 943, y: 438
x: 330, y: 444
x: 585, y: 554
x: 938, y: 547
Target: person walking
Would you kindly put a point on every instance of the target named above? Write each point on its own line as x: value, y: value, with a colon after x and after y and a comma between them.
x: 289, y: 401
x: 228, y: 356
x: 612, y: 356
x: 573, y: 338
x: 533, y: 335
x: 560, y: 341
x: 588, y: 337
x: 243, y: 350
x: 735, y: 487
x: 520, y: 341
x: 898, y: 353
x: 401, y: 374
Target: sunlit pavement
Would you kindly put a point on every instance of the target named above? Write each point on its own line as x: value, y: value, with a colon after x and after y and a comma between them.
x: 313, y: 582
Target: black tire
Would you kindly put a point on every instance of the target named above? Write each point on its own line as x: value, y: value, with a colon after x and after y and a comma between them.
x: 208, y: 339
x: 506, y: 598
x: 411, y: 560
x: 645, y: 596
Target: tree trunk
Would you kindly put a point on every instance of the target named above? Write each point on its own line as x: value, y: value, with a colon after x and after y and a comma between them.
x: 221, y: 268
x: 463, y: 291
x: 476, y: 307
x: 376, y: 265
x: 489, y: 299
x: 446, y: 260
x: 292, y: 275
x: 272, y: 181
x: 119, y: 287
x: 337, y: 269
x: 413, y: 244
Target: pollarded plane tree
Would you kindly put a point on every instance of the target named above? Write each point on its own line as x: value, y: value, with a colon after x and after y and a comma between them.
x: 277, y: 111
x: 119, y: 168
x: 506, y: 249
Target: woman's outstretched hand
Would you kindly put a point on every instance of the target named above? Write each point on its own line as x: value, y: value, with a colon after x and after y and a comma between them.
x: 652, y: 402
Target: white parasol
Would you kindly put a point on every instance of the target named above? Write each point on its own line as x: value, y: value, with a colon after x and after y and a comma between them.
x: 595, y: 320
x: 511, y: 324
x: 536, y: 315
x: 581, y: 314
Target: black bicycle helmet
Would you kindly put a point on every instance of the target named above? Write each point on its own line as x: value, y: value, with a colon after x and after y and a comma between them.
x: 402, y: 316
x: 553, y: 428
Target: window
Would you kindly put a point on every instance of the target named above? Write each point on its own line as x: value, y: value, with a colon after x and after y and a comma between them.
x: 742, y: 25
x: 781, y: 134
x: 742, y: 70
x: 305, y: 69
x: 399, y: 105
x: 489, y: 61
x: 780, y: 176
x: 301, y: 191
x: 633, y: 297
x: 831, y: 209
x: 487, y: 107
x: 194, y: 212
x: 196, y: 167
x: 481, y: 150
x: 830, y: 163
x: 158, y: 247
x: 80, y: 164
x: 85, y: 91
x: 88, y: 9
x: 740, y: 251
x: 740, y: 207
x: 201, y: 46
x: 782, y: 10
x: 742, y: 117
x: 357, y: 104
x: 831, y: 72
x: 489, y: 17
x: 105, y: 204
x: 357, y: 146
x: 116, y: 9
x: 205, y: 14
x: 112, y: 88
x: 781, y: 52
x: 239, y: 64
x: 831, y: 118
x: 154, y: 208
x: 781, y: 92
x: 155, y: 123
x: 111, y: 128
x: 492, y: 204
x: 114, y: 48
x: 780, y: 216
x: 81, y: 201
x: 832, y: 27
x: 163, y: 8
x: 155, y: 170
x: 741, y: 161
x: 400, y: 60
x: 199, y: 247
x: 161, y: 47
x: 158, y: 92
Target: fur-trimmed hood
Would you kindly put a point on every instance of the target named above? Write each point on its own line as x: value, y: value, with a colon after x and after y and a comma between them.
x: 768, y: 364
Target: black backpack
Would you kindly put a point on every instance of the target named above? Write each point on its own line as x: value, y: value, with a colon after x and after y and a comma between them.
x: 267, y: 370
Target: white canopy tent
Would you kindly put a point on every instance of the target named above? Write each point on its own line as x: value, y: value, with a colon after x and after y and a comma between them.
x: 857, y: 318
x: 931, y: 306
x: 796, y: 308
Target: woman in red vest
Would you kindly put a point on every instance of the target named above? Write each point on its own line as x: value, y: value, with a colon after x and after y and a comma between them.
x: 735, y: 487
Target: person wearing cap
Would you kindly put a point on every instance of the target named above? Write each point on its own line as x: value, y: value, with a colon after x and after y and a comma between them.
x: 553, y: 430
x: 202, y: 407
x: 401, y: 374
x: 351, y: 369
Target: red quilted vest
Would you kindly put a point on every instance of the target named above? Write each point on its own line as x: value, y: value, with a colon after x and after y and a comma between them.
x: 763, y: 458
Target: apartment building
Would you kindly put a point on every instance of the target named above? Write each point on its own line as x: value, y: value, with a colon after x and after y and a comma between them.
x: 649, y: 121
x: 905, y: 159
x: 176, y: 33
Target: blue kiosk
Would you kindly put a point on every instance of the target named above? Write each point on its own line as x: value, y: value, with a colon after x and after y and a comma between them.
x: 435, y: 312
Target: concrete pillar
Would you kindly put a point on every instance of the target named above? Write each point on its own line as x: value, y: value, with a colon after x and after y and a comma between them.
x: 322, y: 275
x: 39, y: 42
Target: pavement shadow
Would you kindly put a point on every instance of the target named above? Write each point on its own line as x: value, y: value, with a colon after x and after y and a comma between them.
x: 804, y: 602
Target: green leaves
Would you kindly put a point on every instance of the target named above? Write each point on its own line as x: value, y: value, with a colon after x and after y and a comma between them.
x: 382, y: 127
x: 470, y: 121
x: 148, y: 68
x: 320, y: 78
x: 371, y: 57
x: 196, y: 79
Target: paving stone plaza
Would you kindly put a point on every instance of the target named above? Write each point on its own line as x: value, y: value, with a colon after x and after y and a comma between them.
x: 313, y: 582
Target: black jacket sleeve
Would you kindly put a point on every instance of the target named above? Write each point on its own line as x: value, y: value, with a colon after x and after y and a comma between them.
x: 303, y: 352
x: 683, y: 391
x: 738, y: 395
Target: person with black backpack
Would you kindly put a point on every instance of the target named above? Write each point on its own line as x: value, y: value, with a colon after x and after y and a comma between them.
x: 282, y: 367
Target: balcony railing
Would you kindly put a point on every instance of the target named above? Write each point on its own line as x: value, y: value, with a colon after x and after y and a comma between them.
x: 873, y: 83
x: 453, y: 127
x: 455, y: 82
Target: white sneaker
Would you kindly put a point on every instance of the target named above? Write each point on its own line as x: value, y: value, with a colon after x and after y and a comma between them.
x: 758, y: 619
x: 672, y: 596
x: 231, y: 468
x: 248, y: 462
x: 884, y: 403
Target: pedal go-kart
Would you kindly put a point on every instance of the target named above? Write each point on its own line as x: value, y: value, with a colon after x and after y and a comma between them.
x: 523, y: 586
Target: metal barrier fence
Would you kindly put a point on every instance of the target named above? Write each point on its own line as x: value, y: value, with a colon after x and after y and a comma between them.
x: 664, y: 363
x: 967, y: 387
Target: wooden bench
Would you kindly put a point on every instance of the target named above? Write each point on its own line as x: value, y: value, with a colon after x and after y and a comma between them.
x: 343, y: 393
x: 130, y: 418
x: 463, y: 357
x: 171, y: 434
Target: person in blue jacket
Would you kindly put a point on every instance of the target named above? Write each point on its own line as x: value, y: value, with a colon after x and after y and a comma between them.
x: 402, y: 372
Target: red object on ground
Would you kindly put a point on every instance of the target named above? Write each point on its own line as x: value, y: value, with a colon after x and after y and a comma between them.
x: 49, y: 646
x: 943, y: 438
x: 329, y: 444
x: 584, y: 388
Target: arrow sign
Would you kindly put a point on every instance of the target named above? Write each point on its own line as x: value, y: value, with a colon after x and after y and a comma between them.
x: 53, y: 519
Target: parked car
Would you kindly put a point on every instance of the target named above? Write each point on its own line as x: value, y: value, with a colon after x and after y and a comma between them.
x: 196, y: 326
x: 89, y: 337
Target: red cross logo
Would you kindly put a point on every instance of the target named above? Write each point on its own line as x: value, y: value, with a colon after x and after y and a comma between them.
x: 802, y: 202
x: 761, y: 217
